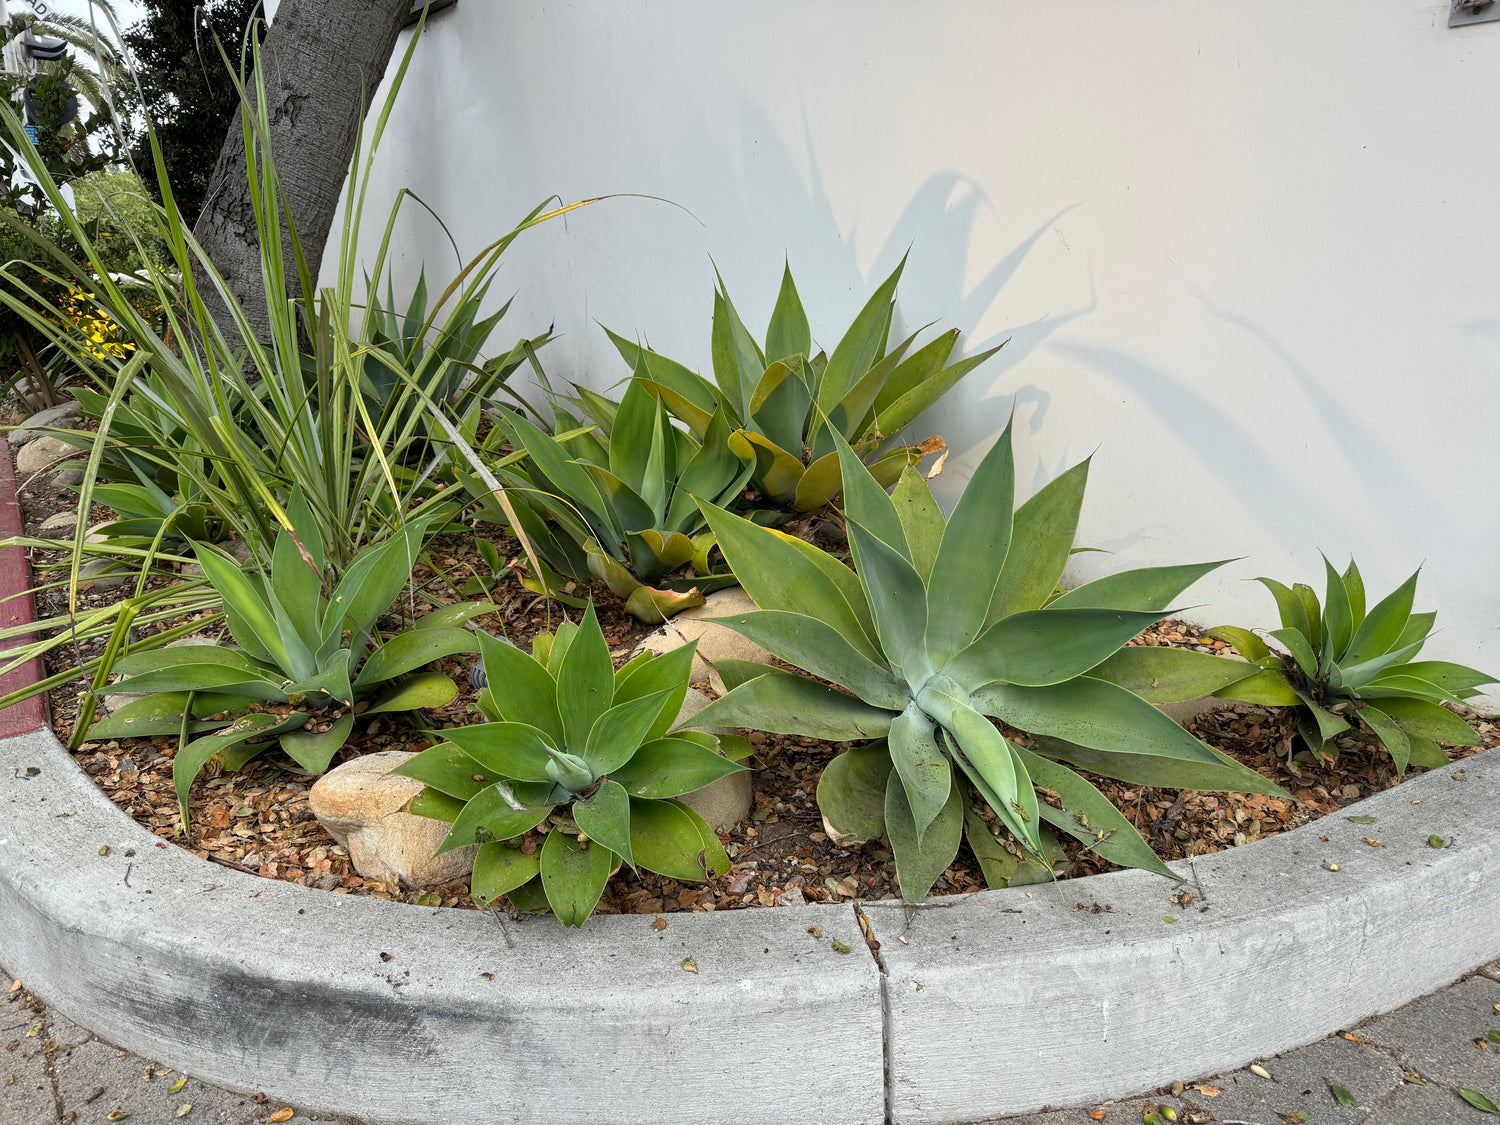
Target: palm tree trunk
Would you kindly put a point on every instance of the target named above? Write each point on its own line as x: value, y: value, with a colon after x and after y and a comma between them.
x: 322, y: 60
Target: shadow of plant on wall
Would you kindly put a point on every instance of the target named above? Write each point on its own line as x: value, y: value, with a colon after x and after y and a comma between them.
x: 1385, y: 468
x: 1247, y: 461
x: 758, y: 172
x: 936, y: 229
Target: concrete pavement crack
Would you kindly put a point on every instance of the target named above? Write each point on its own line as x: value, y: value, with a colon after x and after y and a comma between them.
x: 49, y: 1050
x: 863, y: 921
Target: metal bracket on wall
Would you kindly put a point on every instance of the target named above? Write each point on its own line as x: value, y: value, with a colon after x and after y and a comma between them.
x: 435, y: 7
x: 1465, y: 12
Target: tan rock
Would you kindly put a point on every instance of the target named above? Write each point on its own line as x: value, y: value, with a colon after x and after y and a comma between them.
x: 41, y: 453
x: 104, y: 574
x: 715, y: 642
x: 727, y: 801
x: 363, y: 806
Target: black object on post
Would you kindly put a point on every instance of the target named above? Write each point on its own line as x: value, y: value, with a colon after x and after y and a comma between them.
x: 33, y: 108
x: 432, y: 9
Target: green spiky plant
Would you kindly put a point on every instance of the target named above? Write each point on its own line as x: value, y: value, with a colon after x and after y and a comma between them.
x: 1344, y: 668
x: 584, y: 751
x: 787, y: 403
x: 442, y: 359
x: 218, y: 417
x: 939, y: 626
x: 306, y: 657
x: 624, y: 501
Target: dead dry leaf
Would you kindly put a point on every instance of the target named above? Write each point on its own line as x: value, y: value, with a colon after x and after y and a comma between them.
x: 937, y: 466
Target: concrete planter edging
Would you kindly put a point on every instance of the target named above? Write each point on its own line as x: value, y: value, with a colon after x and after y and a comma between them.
x: 405, y: 1014
x: 996, y: 1003
x: 1042, y: 1000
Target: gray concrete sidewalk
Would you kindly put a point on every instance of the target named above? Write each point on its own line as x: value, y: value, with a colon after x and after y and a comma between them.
x: 1402, y: 1069
x: 53, y: 1072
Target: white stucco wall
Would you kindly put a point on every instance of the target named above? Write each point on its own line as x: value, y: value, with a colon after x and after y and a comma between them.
x: 1247, y: 254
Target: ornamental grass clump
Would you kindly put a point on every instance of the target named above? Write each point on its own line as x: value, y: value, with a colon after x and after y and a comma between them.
x: 208, y: 421
x: 585, y: 754
x: 788, y: 405
x: 1345, y: 669
x: 940, y: 626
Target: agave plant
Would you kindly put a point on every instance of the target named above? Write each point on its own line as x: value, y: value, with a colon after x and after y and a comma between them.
x: 1342, y: 668
x: 787, y: 408
x: 447, y: 370
x: 147, y: 512
x: 625, y: 501
x: 940, y: 626
x: 306, y: 658
x: 581, y: 751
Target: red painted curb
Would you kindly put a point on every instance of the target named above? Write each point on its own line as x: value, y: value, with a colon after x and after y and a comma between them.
x: 15, y: 609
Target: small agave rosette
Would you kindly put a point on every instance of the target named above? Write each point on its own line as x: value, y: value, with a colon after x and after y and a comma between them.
x: 585, y: 754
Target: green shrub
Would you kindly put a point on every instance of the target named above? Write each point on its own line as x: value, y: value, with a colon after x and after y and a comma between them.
x: 583, y: 750
x: 786, y: 407
x: 410, y: 352
x: 940, y: 625
x: 1344, y: 668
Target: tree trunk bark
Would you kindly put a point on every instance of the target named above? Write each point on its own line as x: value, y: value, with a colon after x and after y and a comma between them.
x: 322, y: 61
x: 43, y: 394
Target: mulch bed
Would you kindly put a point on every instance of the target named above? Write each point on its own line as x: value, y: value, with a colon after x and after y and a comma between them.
x: 258, y: 820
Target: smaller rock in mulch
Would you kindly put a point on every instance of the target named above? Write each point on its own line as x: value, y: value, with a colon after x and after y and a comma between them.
x: 715, y: 642
x: 42, y: 453
x: 32, y: 427
x: 58, y: 525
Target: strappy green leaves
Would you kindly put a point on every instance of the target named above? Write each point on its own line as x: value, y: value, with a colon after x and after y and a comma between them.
x: 297, y: 643
x: 621, y: 505
x: 788, y: 406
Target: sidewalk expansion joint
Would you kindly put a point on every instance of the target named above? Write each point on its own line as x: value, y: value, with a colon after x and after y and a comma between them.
x: 887, y: 1049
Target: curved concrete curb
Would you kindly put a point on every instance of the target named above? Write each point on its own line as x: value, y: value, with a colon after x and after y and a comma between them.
x: 997, y: 1003
x: 992, y: 1004
x: 389, y: 1012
